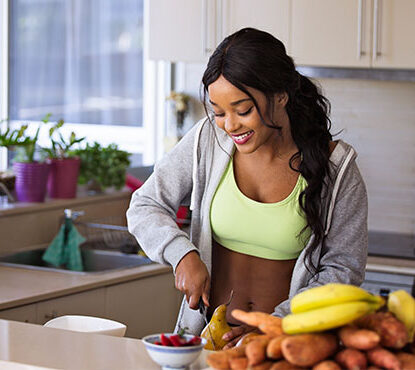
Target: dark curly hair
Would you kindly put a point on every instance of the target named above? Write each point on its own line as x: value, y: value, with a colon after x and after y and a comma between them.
x: 256, y: 59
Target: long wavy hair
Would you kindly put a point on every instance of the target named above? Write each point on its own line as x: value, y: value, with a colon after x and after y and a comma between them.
x: 256, y: 59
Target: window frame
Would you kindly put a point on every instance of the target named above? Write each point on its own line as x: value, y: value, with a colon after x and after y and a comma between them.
x: 147, y: 139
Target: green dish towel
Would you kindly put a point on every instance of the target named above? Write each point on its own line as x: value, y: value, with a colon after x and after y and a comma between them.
x: 64, y: 249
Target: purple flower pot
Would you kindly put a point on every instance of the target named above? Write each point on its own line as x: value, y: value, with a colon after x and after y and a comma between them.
x: 63, y: 177
x: 31, y: 179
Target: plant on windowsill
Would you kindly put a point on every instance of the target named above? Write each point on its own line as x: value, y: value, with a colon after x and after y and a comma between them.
x: 102, y: 167
x: 180, y: 108
x: 64, y: 165
x: 31, y: 174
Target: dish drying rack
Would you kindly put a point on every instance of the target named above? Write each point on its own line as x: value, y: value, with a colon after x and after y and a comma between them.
x: 108, y: 233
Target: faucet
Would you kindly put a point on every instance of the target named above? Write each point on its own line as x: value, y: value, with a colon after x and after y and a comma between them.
x: 72, y: 215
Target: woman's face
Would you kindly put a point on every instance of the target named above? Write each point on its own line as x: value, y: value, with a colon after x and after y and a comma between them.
x: 235, y: 113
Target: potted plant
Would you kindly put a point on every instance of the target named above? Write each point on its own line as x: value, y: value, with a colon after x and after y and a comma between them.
x: 31, y: 175
x: 64, y: 165
x: 102, y: 167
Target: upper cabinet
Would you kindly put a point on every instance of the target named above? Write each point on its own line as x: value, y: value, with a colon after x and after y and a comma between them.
x: 341, y: 33
x: 330, y: 33
x: 394, y: 45
x: 353, y: 33
x: 190, y: 30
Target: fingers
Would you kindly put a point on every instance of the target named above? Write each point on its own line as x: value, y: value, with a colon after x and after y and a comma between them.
x: 236, y: 331
x: 193, y: 301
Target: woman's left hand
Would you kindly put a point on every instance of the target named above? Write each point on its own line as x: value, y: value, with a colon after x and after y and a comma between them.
x: 236, y: 334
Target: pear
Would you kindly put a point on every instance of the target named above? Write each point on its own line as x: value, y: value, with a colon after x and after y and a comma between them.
x: 217, y: 327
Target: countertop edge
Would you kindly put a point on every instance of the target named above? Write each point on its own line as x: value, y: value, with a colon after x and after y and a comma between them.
x: 91, y: 282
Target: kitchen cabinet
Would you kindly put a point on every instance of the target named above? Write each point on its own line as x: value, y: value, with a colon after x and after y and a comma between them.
x: 189, y: 30
x: 395, y: 45
x: 89, y: 303
x: 353, y: 33
x: 25, y: 313
x: 147, y: 306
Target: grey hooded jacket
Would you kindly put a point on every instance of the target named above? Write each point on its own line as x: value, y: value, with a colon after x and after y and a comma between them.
x: 190, y: 173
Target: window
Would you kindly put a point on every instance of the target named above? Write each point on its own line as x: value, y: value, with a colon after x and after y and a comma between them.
x: 82, y: 61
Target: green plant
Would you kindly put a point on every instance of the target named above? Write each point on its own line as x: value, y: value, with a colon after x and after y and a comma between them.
x: 106, y: 166
x: 18, y: 138
x: 60, y: 147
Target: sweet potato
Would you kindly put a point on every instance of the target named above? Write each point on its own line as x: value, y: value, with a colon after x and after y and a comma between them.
x: 393, y: 333
x: 238, y: 363
x: 351, y: 359
x: 327, y: 365
x: 372, y: 367
x: 407, y: 360
x: 220, y: 359
x: 306, y: 350
x: 354, y: 337
x: 256, y: 318
x: 245, y: 339
x: 274, y: 329
x: 284, y: 365
x: 383, y: 358
x: 256, y: 351
x: 266, y: 365
x: 274, y: 347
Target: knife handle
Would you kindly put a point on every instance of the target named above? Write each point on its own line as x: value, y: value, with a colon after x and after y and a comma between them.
x: 202, y: 307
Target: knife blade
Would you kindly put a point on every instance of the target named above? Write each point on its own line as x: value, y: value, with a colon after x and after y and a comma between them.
x: 203, y: 312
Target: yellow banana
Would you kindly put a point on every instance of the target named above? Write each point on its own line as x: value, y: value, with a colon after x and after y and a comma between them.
x: 328, y: 317
x: 330, y: 294
x: 402, y: 304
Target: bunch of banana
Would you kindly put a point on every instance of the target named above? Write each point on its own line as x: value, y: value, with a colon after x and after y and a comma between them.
x: 402, y: 305
x: 328, y: 306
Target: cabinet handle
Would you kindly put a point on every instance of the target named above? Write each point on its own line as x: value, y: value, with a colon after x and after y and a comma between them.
x: 360, y: 52
x: 376, y: 25
x: 206, y: 49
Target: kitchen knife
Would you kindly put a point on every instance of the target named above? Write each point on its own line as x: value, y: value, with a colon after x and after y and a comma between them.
x: 203, y: 312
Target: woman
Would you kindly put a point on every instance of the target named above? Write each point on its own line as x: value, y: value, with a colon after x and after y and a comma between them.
x: 277, y: 206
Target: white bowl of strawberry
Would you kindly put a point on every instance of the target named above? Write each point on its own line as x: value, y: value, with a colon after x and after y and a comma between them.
x: 174, y: 351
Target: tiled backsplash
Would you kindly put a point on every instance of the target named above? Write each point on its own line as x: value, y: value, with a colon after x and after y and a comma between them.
x: 378, y: 119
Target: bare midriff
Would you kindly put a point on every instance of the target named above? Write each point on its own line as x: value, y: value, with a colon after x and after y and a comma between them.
x: 258, y: 284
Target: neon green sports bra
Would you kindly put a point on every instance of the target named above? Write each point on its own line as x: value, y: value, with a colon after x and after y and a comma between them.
x: 266, y: 230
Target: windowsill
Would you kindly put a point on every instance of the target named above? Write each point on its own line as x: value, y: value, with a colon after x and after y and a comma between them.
x: 82, y: 198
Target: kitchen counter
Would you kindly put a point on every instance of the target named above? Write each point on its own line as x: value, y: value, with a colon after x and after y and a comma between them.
x: 36, y: 345
x: 21, y: 286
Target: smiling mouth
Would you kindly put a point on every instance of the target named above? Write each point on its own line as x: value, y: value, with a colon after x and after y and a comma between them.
x: 242, y: 136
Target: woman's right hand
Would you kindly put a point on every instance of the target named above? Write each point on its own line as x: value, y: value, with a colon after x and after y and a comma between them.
x: 193, y: 280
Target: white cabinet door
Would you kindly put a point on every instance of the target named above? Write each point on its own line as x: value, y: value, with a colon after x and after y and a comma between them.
x: 89, y: 303
x: 149, y: 305
x: 25, y: 313
x: 181, y: 30
x: 393, y: 34
x: 331, y: 33
x: 272, y: 16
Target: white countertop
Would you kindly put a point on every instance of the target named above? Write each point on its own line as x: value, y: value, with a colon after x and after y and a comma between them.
x: 35, y: 345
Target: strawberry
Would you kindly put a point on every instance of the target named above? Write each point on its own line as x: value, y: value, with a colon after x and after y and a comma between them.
x: 177, y: 340
x: 194, y: 341
x: 165, y: 341
x: 157, y: 342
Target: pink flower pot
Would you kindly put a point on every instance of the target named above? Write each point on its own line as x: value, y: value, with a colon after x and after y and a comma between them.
x: 63, y: 177
x: 31, y: 179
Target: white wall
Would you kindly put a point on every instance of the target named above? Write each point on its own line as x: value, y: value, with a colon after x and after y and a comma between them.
x: 378, y: 119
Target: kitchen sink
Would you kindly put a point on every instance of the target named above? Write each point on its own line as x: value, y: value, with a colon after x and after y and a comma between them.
x: 94, y: 261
